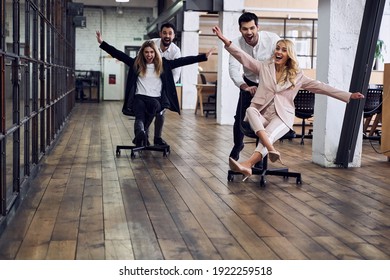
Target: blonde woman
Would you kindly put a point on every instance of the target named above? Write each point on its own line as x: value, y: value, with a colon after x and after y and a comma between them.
x: 271, y: 113
x: 150, y: 87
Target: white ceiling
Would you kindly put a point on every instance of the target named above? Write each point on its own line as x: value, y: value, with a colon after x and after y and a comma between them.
x: 131, y: 3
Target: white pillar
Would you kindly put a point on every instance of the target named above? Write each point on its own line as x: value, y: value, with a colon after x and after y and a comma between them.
x: 190, y: 46
x: 228, y: 92
x: 339, y: 25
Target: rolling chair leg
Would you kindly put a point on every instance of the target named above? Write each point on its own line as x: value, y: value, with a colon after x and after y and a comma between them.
x: 303, y: 132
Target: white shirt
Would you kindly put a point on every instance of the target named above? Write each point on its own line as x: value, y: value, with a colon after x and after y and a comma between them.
x: 150, y: 84
x: 262, y: 51
x: 171, y: 53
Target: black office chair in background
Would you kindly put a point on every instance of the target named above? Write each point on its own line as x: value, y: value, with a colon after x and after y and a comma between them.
x: 261, y: 168
x: 372, y: 107
x: 304, y: 109
x: 209, y: 107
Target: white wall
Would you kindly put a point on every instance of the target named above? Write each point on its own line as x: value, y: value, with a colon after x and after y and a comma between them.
x: 117, y: 30
x: 384, y: 35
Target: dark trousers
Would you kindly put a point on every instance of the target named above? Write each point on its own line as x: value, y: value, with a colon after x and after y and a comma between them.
x: 244, y: 102
x: 145, y: 108
x: 158, y: 124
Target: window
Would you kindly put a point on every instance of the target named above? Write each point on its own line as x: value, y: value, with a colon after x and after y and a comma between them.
x: 303, y: 32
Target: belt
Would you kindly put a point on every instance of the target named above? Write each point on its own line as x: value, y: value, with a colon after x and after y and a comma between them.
x: 250, y: 83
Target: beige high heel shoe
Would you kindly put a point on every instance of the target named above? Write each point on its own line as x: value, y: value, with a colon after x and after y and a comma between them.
x: 237, y: 167
x: 274, y: 156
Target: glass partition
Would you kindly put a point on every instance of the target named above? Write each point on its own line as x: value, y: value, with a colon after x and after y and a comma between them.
x: 38, y: 43
x: 303, y: 32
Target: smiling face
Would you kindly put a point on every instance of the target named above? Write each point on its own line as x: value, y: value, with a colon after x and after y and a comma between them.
x: 281, y: 53
x: 167, y: 34
x: 149, y: 55
x: 249, y: 30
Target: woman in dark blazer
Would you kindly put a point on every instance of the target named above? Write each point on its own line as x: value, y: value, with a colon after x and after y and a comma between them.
x: 150, y: 87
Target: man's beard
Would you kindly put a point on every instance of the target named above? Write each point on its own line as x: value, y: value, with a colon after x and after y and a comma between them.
x: 166, y: 44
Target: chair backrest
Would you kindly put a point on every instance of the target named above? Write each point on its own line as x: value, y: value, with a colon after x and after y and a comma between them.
x: 304, y: 104
x: 373, y: 102
x: 378, y: 86
x: 202, y: 78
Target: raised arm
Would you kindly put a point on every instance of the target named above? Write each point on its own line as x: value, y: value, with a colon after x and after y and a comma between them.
x: 99, y: 37
x: 221, y: 37
x: 245, y: 59
x: 113, y: 51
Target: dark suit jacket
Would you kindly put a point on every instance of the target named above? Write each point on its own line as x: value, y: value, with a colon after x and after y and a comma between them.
x: 168, y: 94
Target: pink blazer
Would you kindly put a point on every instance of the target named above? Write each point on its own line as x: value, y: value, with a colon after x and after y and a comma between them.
x: 283, y: 95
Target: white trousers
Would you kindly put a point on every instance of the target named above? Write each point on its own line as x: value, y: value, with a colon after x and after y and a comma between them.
x: 267, y: 120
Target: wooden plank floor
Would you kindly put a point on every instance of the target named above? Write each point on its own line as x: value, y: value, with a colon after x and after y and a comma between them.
x: 86, y: 203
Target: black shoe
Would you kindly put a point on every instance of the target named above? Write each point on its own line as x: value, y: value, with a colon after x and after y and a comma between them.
x: 158, y: 141
x: 235, y: 153
x: 139, y: 139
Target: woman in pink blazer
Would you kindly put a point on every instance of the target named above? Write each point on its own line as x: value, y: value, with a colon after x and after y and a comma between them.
x: 272, y: 111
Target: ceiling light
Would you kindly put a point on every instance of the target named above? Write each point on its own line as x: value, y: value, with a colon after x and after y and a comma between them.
x: 122, y: 1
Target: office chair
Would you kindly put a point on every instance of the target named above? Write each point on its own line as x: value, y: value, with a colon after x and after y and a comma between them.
x: 212, y: 100
x: 165, y: 149
x: 372, y: 107
x: 261, y: 168
x: 304, y: 109
x: 209, y: 107
x: 379, y: 86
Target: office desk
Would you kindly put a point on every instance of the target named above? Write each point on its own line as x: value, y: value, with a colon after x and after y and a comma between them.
x: 199, y: 99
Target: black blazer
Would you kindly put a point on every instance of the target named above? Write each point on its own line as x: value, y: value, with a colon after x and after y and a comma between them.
x: 168, y: 94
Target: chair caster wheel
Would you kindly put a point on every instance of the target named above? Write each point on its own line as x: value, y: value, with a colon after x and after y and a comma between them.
x: 299, y: 181
x: 230, y: 177
x: 132, y: 155
x: 262, y: 182
x: 118, y: 153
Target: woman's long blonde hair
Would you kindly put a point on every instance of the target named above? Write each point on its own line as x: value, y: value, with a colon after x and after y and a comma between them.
x: 291, y: 68
x: 140, y: 61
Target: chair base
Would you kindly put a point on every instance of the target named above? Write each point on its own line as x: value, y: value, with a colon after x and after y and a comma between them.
x: 376, y: 137
x: 265, y: 171
x: 165, y: 149
x: 305, y: 136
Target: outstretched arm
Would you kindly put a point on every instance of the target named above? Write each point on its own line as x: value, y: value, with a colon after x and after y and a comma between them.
x: 210, y: 52
x: 356, y: 95
x: 186, y: 60
x: 322, y: 88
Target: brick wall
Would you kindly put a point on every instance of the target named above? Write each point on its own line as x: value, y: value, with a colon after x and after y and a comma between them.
x: 117, y: 30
